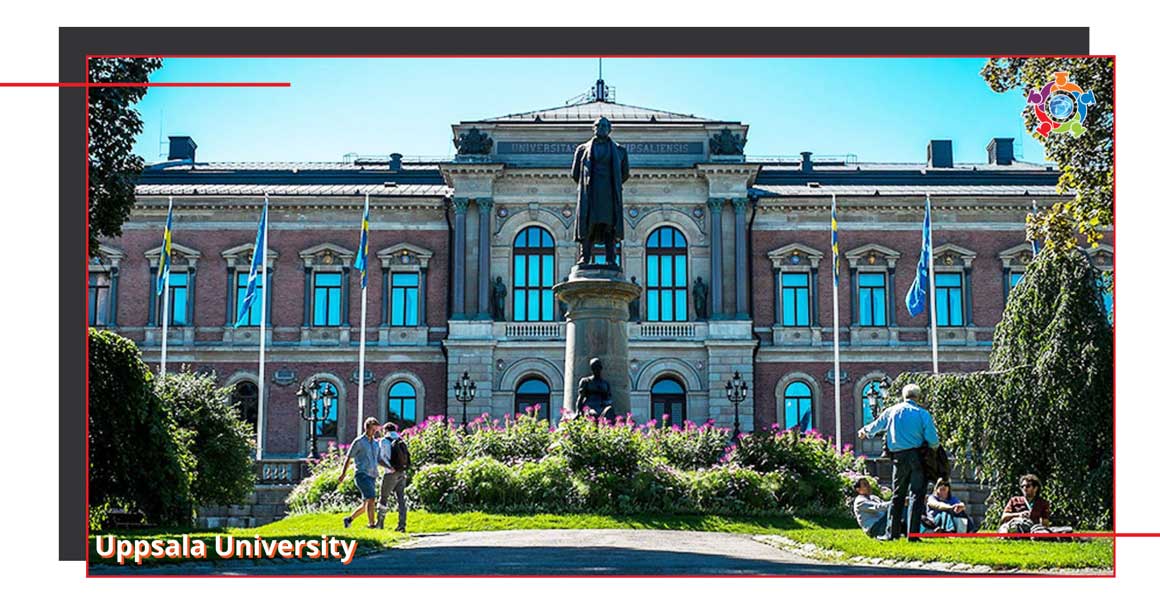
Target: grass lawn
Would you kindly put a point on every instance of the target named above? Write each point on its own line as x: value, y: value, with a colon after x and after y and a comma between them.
x: 841, y: 535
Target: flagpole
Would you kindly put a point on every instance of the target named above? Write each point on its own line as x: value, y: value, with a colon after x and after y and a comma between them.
x: 362, y: 337
x: 165, y: 292
x: 262, y: 330
x: 837, y: 364
x: 933, y: 297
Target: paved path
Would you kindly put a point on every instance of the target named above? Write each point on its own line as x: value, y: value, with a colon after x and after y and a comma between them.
x: 549, y: 552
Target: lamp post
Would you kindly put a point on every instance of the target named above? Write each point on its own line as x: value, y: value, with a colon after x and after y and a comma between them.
x: 465, y: 393
x: 736, y: 390
x: 877, y: 396
x: 308, y: 397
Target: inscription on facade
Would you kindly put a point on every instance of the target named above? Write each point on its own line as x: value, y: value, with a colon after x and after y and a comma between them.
x: 558, y: 148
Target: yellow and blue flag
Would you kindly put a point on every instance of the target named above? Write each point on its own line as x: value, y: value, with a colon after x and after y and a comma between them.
x: 360, y: 262
x: 256, y: 265
x: 916, y: 297
x: 834, y: 234
x: 166, y: 252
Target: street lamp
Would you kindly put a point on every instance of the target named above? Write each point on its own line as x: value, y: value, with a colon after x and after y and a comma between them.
x: 876, y: 397
x: 308, y: 396
x: 465, y: 393
x: 736, y: 390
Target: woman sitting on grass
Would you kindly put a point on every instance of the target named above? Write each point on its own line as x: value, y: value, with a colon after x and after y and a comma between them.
x: 945, y: 513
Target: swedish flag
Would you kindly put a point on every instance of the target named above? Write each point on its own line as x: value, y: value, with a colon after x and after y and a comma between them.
x: 834, y: 234
x: 360, y: 262
x: 166, y: 252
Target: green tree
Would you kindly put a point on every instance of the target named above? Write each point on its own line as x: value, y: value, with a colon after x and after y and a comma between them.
x: 222, y: 444
x: 113, y: 126
x: 139, y: 459
x: 1085, y: 161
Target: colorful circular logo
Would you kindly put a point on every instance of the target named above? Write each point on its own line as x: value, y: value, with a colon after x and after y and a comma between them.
x: 1061, y: 106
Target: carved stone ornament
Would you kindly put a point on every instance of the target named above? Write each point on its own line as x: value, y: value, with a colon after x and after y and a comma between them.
x: 726, y: 143
x: 473, y: 142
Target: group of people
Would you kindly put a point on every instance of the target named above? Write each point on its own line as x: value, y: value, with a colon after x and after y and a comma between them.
x: 909, y: 428
x: 378, y: 445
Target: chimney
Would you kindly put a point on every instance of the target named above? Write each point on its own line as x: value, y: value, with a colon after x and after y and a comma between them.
x: 396, y: 161
x: 807, y: 161
x: 938, y: 154
x: 1001, y: 151
x: 182, y: 148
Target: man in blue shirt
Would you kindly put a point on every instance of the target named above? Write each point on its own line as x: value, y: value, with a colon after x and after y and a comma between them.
x: 908, y: 427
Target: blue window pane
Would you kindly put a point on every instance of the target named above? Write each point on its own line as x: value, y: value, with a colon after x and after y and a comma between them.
x: 328, y: 279
x: 1015, y: 279
x: 402, y: 389
x: 548, y: 268
x: 177, y: 307
x: 534, y: 305
x: 412, y: 306
x: 654, y: 240
x: 319, y: 306
x: 533, y: 271
x: 335, y: 305
x: 547, y: 303
x: 653, y: 305
x: 178, y: 279
x: 879, y: 307
x: 681, y: 272
x: 794, y: 280
x: 533, y: 237
x: 520, y: 277
x: 678, y: 239
x: 398, y: 304
x: 682, y: 305
x: 520, y: 311
x: 666, y: 237
x: 546, y: 239
x: 405, y: 279
x: 667, y: 271
x: 654, y: 272
x: 865, y: 313
x: 948, y: 279
x: 522, y: 239
x: 666, y: 306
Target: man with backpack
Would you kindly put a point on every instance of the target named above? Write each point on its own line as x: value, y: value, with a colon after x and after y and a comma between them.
x: 393, y: 454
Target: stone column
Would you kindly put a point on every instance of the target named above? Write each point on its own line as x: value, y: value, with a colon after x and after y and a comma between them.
x: 892, y: 316
x: 741, y: 257
x: 308, y: 297
x: 484, y: 271
x: 716, y: 261
x: 346, y: 296
x: 114, y: 277
x: 459, y: 268
x: 777, y: 299
x: 597, y: 326
x: 968, y: 298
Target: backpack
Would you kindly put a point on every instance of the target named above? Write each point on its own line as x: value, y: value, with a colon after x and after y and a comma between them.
x: 400, y: 455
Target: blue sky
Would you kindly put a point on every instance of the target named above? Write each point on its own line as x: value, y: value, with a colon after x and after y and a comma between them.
x: 877, y: 109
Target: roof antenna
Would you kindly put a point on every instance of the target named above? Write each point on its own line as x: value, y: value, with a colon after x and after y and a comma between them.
x: 601, y: 91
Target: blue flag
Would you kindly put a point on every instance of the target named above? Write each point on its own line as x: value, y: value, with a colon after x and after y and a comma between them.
x: 834, y: 234
x: 255, y: 277
x: 916, y: 298
x: 166, y: 252
x: 360, y: 262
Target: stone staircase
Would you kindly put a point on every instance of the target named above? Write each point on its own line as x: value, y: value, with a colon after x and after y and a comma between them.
x: 267, y: 502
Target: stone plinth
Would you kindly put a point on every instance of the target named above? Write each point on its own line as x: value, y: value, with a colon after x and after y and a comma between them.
x: 597, y: 326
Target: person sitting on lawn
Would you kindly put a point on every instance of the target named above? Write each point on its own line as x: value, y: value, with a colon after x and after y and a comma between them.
x: 869, y: 510
x: 946, y: 512
x: 1029, y: 513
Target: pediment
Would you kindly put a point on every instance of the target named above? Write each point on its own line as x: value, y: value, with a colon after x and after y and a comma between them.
x: 180, y: 255
x: 327, y: 254
x: 805, y: 255
x: 872, y: 254
x: 106, y: 256
x: 949, y: 254
x: 1019, y: 255
x: 242, y: 255
x: 405, y: 255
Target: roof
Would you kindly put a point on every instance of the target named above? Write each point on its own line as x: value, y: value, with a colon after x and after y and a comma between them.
x: 869, y: 190
x: 906, y: 179
x: 590, y: 111
x: 378, y: 190
x: 292, y: 178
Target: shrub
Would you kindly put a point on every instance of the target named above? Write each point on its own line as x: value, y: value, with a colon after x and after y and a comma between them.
x: 320, y: 490
x: 548, y: 483
x: 139, y: 458
x: 488, y: 482
x: 437, y: 487
x: 687, y: 447
x: 434, y: 441
x: 222, y: 444
x: 734, y: 489
x: 811, y: 469
x: 598, y: 448
x: 663, y: 488
x: 524, y: 438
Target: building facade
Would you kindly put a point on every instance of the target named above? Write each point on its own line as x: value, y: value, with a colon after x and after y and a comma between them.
x: 732, y: 251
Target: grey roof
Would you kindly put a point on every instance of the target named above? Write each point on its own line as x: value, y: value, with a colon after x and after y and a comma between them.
x: 803, y: 190
x: 590, y: 111
x: 795, y: 165
x: 291, y: 166
x: 377, y: 190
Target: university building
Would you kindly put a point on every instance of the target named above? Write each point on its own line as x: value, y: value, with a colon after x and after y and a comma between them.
x: 732, y: 251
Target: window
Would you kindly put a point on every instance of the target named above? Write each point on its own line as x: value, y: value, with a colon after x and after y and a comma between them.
x: 404, y: 299
x: 872, y: 299
x: 867, y: 411
x: 799, y: 405
x: 245, y: 399
x: 666, y: 285
x: 401, y: 403
x: 327, y: 427
x: 327, y: 299
x: 1013, y: 279
x: 99, y: 298
x: 531, y: 392
x: 254, y: 315
x: 668, y: 398
x: 598, y: 253
x: 1104, y: 288
x: 533, y: 275
x: 178, y: 298
x: 795, y: 299
x: 948, y: 296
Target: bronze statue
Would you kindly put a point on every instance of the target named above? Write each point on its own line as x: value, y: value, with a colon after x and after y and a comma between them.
x: 599, y: 168
x: 700, y: 299
x: 498, y: 294
x: 595, y: 391
x: 634, y: 306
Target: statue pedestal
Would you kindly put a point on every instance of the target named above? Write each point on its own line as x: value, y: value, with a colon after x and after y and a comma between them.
x: 597, y: 326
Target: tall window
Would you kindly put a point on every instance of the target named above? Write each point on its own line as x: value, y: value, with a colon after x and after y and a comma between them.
x: 667, y: 286
x: 99, y: 307
x: 872, y: 299
x: 404, y: 299
x: 795, y: 299
x: 531, y: 392
x: 254, y: 315
x: 327, y: 299
x: 533, y: 275
x: 799, y: 406
x: 1013, y: 279
x: 668, y: 398
x: 245, y: 399
x: 948, y: 297
x: 867, y: 410
x: 328, y: 426
x: 178, y: 298
x: 401, y: 402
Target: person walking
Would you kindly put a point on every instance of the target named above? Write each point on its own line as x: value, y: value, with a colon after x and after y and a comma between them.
x: 908, y: 427
x: 364, y: 450
x: 394, y: 455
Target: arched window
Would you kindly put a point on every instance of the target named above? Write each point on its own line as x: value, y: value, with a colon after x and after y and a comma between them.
x: 533, y: 275
x: 328, y: 426
x: 799, y: 406
x: 668, y: 398
x: 531, y: 392
x: 401, y: 403
x: 667, y: 279
x: 245, y: 399
x: 868, y: 414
